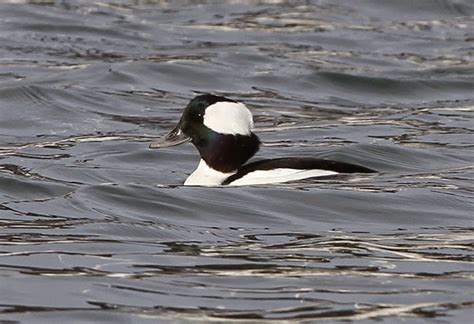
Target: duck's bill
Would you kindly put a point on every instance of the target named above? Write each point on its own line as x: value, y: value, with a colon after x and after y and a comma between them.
x: 173, y: 138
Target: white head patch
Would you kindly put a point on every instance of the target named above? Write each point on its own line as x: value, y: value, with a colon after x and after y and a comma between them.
x: 227, y: 117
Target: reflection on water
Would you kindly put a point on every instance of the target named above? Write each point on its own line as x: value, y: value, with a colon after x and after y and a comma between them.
x: 96, y: 227
x: 296, y: 275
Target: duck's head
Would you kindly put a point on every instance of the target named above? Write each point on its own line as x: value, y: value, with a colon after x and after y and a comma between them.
x: 221, y: 130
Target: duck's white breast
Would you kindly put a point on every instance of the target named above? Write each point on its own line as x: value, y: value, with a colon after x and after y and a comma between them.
x: 206, y: 176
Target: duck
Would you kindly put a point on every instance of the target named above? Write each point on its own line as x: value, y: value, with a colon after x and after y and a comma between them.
x: 221, y: 129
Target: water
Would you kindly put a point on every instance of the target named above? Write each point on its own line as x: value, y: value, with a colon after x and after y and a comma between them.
x: 95, y: 227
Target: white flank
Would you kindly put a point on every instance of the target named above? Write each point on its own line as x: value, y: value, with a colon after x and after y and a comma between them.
x: 279, y: 175
x: 229, y: 118
x: 206, y: 176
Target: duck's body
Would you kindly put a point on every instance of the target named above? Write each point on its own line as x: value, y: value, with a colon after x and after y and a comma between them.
x: 221, y: 130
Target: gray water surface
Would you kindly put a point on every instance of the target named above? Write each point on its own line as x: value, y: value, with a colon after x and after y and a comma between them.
x: 96, y: 227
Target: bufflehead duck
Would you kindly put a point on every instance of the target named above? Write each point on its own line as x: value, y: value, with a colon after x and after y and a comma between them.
x: 221, y: 129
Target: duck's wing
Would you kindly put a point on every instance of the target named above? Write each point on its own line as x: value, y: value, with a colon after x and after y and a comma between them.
x: 289, y: 169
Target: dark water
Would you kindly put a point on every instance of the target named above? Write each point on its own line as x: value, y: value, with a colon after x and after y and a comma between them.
x: 95, y: 227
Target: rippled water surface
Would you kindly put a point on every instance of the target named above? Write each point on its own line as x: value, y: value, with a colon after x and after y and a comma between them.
x: 95, y: 227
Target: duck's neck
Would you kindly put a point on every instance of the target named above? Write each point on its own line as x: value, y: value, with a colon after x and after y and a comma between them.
x: 227, y: 153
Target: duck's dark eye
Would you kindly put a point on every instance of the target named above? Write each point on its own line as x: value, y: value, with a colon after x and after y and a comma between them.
x: 197, y: 114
